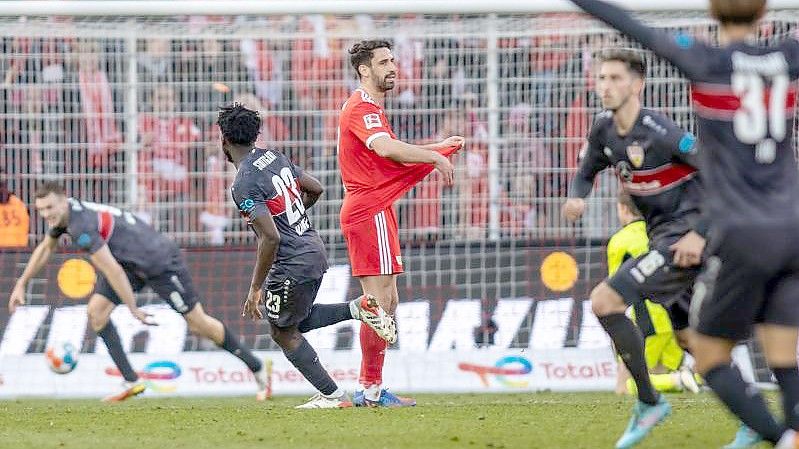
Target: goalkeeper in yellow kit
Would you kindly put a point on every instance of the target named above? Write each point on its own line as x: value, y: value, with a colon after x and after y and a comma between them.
x: 664, y: 356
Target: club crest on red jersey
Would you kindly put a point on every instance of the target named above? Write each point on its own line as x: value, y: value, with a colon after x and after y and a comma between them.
x: 635, y: 153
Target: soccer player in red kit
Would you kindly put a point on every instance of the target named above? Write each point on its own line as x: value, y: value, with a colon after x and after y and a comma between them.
x: 377, y: 169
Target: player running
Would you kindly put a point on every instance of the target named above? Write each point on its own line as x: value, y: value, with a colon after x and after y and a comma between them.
x: 274, y: 196
x: 377, y: 169
x: 744, y: 96
x: 130, y: 254
x: 656, y: 164
x: 664, y: 355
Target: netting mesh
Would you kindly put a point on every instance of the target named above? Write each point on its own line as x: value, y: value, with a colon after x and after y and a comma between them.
x: 123, y: 110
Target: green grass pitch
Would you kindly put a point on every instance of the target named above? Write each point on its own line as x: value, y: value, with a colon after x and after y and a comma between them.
x: 536, y: 420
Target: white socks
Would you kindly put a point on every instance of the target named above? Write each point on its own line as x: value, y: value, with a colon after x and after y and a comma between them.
x: 354, y: 310
x: 788, y: 440
x: 372, y: 393
x: 336, y: 394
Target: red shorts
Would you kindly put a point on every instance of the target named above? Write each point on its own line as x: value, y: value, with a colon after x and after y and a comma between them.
x: 374, y: 245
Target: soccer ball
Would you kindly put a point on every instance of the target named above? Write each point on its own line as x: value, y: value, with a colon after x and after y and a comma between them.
x: 62, y: 358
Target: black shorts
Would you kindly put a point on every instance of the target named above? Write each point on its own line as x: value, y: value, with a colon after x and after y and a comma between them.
x: 287, y: 302
x: 751, y: 276
x: 678, y: 314
x: 173, y: 287
x: 652, y: 276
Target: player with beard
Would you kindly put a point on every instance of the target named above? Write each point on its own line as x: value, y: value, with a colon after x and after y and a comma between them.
x: 274, y: 196
x: 744, y: 96
x: 656, y: 164
x: 377, y: 169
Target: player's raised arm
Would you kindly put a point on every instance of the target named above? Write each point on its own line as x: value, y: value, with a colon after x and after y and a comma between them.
x: 679, y: 49
x: 37, y: 261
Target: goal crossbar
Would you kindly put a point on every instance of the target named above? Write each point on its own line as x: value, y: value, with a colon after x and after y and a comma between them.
x: 282, y: 7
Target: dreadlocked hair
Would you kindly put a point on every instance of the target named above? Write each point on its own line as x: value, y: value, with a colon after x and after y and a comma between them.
x: 238, y: 124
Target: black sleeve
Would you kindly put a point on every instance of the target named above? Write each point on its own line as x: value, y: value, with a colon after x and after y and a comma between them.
x: 251, y: 196
x: 702, y: 224
x: 57, y: 232
x: 683, y: 147
x: 85, y: 234
x: 680, y: 49
x: 593, y: 161
x: 681, y: 143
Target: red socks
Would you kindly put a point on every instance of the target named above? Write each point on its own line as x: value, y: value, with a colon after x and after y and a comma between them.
x: 373, y: 350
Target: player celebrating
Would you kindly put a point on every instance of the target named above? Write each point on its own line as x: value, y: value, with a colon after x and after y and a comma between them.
x: 130, y: 255
x: 377, y: 169
x: 274, y: 195
x: 655, y: 161
x: 745, y: 98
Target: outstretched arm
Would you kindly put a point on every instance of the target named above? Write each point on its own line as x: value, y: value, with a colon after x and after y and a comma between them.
x: 115, y: 275
x: 37, y: 261
x: 680, y: 49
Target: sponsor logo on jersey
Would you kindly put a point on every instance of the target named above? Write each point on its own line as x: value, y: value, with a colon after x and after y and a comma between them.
x: 624, y: 171
x: 656, y: 180
x: 635, y: 153
x: 247, y: 205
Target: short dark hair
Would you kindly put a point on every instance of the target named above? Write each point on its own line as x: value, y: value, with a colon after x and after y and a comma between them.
x: 631, y: 58
x: 362, y: 52
x: 626, y: 200
x: 238, y: 124
x: 49, y: 187
x: 737, y: 11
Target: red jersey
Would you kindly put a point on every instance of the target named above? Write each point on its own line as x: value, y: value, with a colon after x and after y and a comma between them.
x: 371, y: 182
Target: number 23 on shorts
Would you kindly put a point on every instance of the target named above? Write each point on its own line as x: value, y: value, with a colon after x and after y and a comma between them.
x: 273, y: 302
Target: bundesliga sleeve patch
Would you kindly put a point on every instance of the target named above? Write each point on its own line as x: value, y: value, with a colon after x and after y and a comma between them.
x: 84, y: 241
x: 687, y: 143
x: 684, y: 41
x: 372, y: 121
